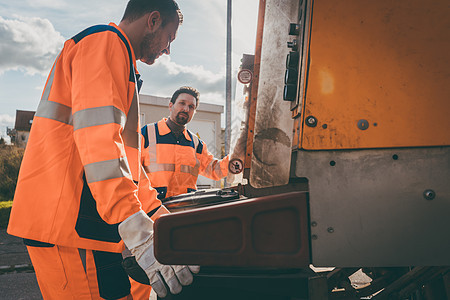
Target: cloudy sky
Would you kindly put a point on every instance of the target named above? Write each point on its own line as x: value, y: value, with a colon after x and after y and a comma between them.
x: 32, y: 33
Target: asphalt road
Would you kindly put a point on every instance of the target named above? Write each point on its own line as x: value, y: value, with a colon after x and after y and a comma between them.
x: 17, y: 279
x: 19, y: 286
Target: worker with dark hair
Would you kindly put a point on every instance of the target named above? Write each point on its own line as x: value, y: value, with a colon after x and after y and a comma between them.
x: 81, y: 193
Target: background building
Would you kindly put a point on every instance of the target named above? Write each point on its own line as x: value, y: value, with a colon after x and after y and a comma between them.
x: 21, y: 131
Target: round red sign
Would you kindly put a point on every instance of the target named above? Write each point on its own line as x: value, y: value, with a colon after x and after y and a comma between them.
x: 235, y: 166
x: 245, y: 76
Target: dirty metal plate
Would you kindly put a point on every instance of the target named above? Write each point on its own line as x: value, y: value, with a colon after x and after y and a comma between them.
x: 273, y: 126
x: 368, y: 207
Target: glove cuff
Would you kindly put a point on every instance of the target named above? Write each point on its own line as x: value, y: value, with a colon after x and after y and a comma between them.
x: 136, y: 229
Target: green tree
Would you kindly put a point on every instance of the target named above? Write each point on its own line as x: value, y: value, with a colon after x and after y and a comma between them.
x: 10, y: 160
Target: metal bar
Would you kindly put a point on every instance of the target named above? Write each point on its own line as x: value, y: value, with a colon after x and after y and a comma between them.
x: 228, y: 82
x: 255, y: 83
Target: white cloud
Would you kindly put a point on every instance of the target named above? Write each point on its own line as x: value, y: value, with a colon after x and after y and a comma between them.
x: 7, y: 120
x: 215, y: 98
x: 29, y: 44
x: 165, y: 76
x: 47, y: 3
x: 199, y: 72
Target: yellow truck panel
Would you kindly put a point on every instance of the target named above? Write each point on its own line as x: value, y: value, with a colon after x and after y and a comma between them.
x: 379, y: 75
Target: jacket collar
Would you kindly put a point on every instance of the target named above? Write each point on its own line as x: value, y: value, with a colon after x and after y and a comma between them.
x: 131, y: 47
x: 163, y: 129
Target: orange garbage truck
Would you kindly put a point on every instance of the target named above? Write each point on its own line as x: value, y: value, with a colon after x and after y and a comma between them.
x: 347, y: 161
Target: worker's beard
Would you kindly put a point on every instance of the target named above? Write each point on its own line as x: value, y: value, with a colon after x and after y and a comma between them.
x: 182, y: 118
x: 148, y: 52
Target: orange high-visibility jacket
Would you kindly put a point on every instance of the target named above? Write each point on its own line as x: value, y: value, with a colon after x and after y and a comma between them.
x: 173, y: 164
x: 81, y: 174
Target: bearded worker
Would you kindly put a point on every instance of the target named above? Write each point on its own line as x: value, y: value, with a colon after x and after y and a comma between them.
x: 173, y: 156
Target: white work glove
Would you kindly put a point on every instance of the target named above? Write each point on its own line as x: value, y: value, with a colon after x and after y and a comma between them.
x: 137, y: 234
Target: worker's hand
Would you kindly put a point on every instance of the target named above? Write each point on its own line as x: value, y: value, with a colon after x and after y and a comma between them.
x: 237, y: 156
x: 137, y: 233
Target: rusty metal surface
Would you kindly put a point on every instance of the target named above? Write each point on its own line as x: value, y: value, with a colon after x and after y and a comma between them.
x: 273, y: 125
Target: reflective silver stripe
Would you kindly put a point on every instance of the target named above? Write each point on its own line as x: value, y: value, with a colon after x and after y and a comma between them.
x: 109, y: 114
x: 130, y: 134
x: 49, y: 84
x: 98, y: 116
x: 151, y: 133
x: 190, y: 170
x: 54, y: 111
x: 108, y: 169
x: 152, y: 168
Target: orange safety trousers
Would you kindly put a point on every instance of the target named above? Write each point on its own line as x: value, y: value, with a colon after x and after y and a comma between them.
x: 63, y: 273
x: 140, y: 291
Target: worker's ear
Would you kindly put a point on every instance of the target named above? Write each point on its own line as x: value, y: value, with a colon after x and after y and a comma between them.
x: 154, y: 21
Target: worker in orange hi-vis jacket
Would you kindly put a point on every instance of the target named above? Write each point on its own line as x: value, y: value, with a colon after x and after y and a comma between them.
x: 82, y: 189
x: 173, y: 156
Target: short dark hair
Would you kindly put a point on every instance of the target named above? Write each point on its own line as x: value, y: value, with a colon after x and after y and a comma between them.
x: 168, y: 9
x: 186, y: 90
